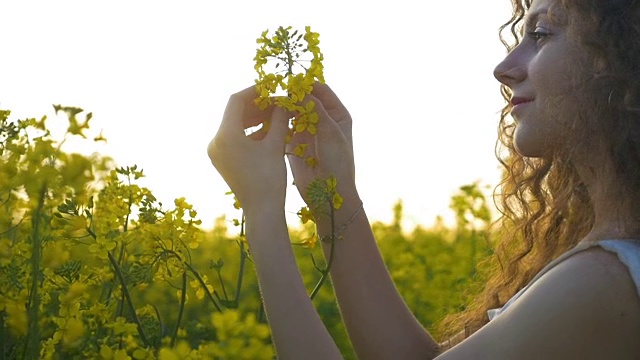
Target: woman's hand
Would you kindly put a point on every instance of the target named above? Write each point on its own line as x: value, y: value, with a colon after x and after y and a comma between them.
x: 332, y: 146
x: 253, y: 166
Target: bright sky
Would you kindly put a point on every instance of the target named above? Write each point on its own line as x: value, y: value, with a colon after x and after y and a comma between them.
x: 416, y: 77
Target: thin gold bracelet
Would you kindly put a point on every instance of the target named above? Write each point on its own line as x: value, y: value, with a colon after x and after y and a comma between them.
x: 338, y: 234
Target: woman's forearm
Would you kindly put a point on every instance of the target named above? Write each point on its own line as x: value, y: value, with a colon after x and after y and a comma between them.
x: 378, y: 321
x: 296, y: 328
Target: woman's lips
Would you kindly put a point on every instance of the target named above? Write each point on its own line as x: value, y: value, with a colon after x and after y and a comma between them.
x: 519, y: 103
x: 520, y: 100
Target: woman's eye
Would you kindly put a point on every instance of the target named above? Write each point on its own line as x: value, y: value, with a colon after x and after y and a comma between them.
x: 538, y: 34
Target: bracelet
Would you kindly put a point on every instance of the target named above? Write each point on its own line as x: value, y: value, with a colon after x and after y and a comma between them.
x: 338, y: 233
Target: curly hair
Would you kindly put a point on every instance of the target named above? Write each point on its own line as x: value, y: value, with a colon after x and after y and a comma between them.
x: 545, y: 206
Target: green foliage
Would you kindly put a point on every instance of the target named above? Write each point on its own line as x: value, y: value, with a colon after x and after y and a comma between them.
x: 435, y: 270
x: 93, y: 266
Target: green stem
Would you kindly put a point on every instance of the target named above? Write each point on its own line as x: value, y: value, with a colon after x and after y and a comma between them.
x: 126, y: 220
x: 243, y: 257
x: 120, y: 255
x: 127, y: 296
x: 261, y: 314
x: 3, y: 337
x: 13, y: 227
x: 183, y: 300
x: 120, y: 307
x: 197, y: 276
x: 32, y: 344
x: 204, y: 286
x: 159, y: 316
x: 325, y: 272
x: 287, y: 51
x: 113, y: 283
x: 224, y: 290
x: 474, y: 250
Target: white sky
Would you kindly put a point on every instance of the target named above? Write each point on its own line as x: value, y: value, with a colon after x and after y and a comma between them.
x: 416, y: 77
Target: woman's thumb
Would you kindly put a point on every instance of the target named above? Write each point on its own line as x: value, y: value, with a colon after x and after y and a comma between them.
x: 279, y: 124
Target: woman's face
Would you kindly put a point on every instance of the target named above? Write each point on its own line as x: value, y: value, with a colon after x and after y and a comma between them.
x: 538, y: 73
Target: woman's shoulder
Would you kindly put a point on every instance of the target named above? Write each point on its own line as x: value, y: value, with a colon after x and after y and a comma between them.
x: 627, y: 257
x: 586, y: 306
x: 626, y: 251
x: 592, y: 286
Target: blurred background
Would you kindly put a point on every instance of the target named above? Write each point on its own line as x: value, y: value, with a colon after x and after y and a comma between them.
x: 416, y: 77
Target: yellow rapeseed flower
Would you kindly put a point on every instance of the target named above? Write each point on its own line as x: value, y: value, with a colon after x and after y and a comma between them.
x: 181, y: 351
x: 337, y: 201
x: 299, y: 86
x: 305, y: 215
x: 17, y: 318
x: 332, y: 184
x: 121, y: 354
x: 102, y: 247
x: 181, y: 203
x: 73, y: 332
x: 311, y: 161
x: 54, y: 254
x: 310, y: 242
x: 300, y: 150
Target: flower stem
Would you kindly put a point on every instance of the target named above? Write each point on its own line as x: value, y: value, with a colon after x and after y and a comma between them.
x: 204, y: 286
x: 243, y: 257
x: 183, y: 300
x: 196, y: 274
x: 32, y: 350
x: 325, y: 272
x: 127, y: 295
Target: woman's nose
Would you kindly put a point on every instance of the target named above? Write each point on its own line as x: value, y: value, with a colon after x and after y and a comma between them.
x: 510, y: 71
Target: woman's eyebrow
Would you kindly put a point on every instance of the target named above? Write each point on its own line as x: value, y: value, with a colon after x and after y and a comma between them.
x: 531, y: 19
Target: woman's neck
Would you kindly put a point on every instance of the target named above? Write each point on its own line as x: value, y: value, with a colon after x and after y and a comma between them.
x: 612, y: 204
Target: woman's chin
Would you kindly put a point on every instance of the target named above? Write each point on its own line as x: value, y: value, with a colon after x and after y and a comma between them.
x: 528, y: 147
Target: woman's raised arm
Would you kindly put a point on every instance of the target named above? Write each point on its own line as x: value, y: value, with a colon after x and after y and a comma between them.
x: 254, y: 167
x: 378, y: 321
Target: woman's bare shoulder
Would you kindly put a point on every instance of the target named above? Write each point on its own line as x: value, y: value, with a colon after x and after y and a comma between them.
x: 586, y: 307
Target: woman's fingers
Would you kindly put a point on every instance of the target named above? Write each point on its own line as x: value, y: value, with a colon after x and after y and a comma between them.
x: 328, y: 130
x: 278, y: 127
x: 300, y: 138
x: 242, y: 113
x: 327, y: 96
x: 331, y: 102
x: 234, y: 113
x: 275, y: 128
x: 296, y: 153
x: 245, y: 126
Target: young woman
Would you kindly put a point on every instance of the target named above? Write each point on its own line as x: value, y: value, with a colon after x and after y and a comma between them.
x: 570, y: 288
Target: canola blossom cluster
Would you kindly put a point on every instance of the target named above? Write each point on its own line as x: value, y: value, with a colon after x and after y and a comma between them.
x: 296, y: 66
x: 287, y: 54
x: 295, y: 61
